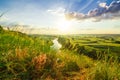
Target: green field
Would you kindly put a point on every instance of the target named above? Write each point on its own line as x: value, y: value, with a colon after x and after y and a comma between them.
x: 82, y: 57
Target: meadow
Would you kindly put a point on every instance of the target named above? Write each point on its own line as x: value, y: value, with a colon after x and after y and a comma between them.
x: 82, y: 57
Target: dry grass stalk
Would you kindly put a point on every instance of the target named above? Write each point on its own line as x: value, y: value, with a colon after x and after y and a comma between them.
x: 20, y: 54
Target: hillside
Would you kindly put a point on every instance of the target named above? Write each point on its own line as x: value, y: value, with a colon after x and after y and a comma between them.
x: 26, y: 57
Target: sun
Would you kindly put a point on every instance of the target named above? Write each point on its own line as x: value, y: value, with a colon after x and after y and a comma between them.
x: 64, y: 25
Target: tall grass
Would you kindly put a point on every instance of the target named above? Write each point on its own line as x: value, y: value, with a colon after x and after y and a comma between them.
x: 106, y: 69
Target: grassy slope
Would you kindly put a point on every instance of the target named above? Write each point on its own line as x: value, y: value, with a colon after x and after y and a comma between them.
x: 26, y: 58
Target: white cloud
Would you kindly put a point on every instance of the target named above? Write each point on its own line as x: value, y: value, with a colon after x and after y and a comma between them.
x: 59, y: 11
x: 102, y: 4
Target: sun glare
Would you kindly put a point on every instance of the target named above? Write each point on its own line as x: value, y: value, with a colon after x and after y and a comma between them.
x: 64, y: 25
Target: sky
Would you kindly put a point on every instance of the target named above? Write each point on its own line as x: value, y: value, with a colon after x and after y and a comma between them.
x: 62, y: 16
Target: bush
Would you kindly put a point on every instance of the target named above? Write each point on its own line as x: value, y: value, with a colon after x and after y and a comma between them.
x: 71, y: 66
x: 118, y: 42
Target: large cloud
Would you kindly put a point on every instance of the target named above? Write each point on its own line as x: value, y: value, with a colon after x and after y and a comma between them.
x: 102, y: 12
x: 114, y: 7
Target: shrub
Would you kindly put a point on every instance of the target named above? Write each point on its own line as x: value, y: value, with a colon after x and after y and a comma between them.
x: 118, y: 42
x: 71, y: 66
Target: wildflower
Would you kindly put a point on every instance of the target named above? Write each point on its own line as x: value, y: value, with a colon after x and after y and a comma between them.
x: 39, y: 61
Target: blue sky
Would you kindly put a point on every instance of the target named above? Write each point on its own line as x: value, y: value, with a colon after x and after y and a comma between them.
x: 65, y: 16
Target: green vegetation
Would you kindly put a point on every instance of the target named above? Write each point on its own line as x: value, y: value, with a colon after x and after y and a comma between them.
x: 82, y: 57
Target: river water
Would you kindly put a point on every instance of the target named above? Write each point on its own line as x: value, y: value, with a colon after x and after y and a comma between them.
x: 56, y: 45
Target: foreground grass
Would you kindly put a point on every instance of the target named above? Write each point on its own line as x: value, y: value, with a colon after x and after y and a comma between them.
x: 26, y: 58
x: 61, y: 66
